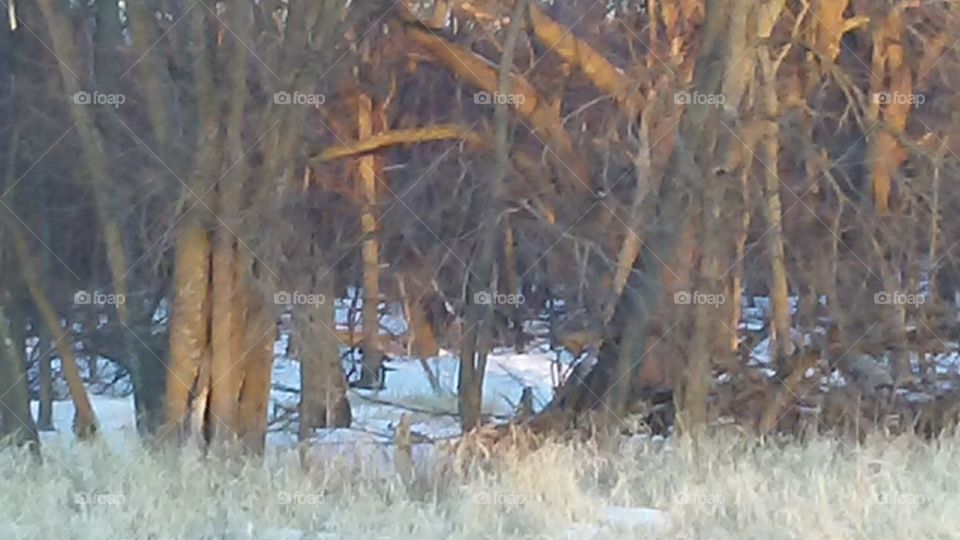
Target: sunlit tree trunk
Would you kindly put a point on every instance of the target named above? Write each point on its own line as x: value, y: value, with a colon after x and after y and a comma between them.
x: 257, y: 360
x: 189, y: 325
x: 892, y: 97
x: 225, y: 374
x: 889, y: 103
x: 370, y: 252
x: 229, y: 294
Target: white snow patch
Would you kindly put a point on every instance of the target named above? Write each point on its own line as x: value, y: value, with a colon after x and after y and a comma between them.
x: 623, y: 520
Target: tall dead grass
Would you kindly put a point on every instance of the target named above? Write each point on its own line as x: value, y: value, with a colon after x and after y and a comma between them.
x: 725, y: 488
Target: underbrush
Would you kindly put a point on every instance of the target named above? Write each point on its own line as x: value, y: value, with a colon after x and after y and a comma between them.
x: 722, y: 488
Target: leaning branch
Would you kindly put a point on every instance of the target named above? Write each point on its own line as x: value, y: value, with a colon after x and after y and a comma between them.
x: 477, y: 70
x: 577, y: 52
x: 396, y: 137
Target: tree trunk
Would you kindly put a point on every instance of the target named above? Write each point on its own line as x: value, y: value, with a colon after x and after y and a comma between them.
x: 773, y: 210
x: 225, y: 375
x: 481, y: 282
x: 229, y: 294
x: 513, y: 285
x: 148, y: 374
x: 889, y: 103
x: 189, y: 325
x: 370, y: 377
x: 257, y: 360
x: 692, y: 167
x: 17, y: 420
x: 743, y: 231
x: 93, y: 149
x: 45, y: 413
x: 323, y: 395
x: 891, y: 84
x: 423, y: 337
x: 84, y: 420
x: 632, y: 243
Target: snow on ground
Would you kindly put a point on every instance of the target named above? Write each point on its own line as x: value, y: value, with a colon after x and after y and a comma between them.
x: 375, y: 413
x: 408, y: 391
x: 368, y: 445
x: 392, y: 321
x: 618, y: 519
x: 115, y: 415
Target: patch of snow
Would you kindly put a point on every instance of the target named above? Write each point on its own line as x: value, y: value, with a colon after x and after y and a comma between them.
x: 836, y: 379
x: 621, y: 520
x: 947, y: 362
x: 116, y: 419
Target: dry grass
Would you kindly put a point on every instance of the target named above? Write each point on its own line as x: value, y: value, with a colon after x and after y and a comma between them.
x: 729, y: 488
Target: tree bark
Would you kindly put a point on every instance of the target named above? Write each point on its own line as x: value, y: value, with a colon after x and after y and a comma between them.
x: 422, y: 335
x: 229, y: 294
x: 512, y: 282
x: 84, y: 420
x: 225, y: 376
x: 370, y: 377
x: 257, y: 359
x: 93, y: 149
x: 323, y: 395
x: 45, y: 413
x: 889, y: 103
x: 773, y: 209
x: 17, y: 419
x: 481, y: 282
x: 189, y: 325
x: 690, y: 170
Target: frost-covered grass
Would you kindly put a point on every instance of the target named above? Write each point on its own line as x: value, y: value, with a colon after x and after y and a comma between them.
x: 728, y: 488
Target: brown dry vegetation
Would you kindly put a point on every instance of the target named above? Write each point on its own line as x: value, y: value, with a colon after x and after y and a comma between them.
x: 725, y: 488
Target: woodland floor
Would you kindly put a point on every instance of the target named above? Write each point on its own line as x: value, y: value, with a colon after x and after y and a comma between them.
x: 352, y: 487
